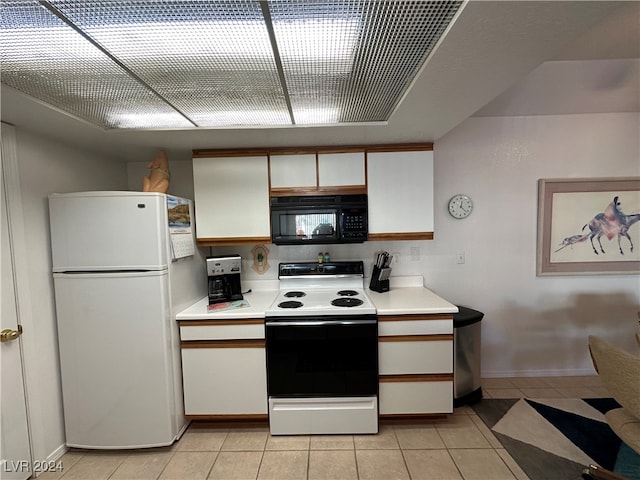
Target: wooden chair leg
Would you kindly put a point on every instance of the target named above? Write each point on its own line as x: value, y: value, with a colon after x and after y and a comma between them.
x: 593, y: 472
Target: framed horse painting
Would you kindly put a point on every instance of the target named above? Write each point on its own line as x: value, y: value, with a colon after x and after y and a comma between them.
x: 588, y: 226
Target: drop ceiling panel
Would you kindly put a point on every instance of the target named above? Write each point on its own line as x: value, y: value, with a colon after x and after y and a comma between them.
x: 211, y: 60
x: 200, y: 63
x: 45, y: 58
x: 354, y: 58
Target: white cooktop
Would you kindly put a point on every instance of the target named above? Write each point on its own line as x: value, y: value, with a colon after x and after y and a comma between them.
x: 318, y: 295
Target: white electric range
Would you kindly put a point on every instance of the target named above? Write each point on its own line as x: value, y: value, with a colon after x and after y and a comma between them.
x: 322, y: 351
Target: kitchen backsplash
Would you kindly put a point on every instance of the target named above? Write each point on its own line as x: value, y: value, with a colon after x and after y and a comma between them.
x: 410, y: 257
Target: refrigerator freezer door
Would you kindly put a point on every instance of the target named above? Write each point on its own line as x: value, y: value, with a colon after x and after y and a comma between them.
x: 115, y: 338
x: 97, y: 231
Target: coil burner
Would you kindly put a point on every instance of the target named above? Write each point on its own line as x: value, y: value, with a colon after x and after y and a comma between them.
x: 290, y: 304
x: 347, y: 293
x: 346, y: 302
x: 294, y: 294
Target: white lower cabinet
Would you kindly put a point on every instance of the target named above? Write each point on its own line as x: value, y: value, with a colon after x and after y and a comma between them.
x: 225, y: 376
x: 416, y: 397
x: 224, y: 372
x: 224, y: 381
x: 223, y: 332
x: 415, y: 356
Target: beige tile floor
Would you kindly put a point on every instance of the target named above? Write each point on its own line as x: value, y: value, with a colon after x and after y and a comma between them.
x: 460, y: 447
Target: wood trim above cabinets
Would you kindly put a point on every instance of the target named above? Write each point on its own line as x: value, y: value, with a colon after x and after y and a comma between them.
x: 247, y: 152
x: 220, y: 242
x: 243, y: 152
x: 307, y: 191
x: 223, y: 344
x: 389, y: 237
x: 403, y: 147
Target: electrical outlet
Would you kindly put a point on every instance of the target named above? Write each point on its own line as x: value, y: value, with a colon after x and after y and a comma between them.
x: 460, y: 257
x: 415, y: 254
x: 396, y: 258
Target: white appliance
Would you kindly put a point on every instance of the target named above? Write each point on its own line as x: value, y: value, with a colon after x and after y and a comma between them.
x: 124, y: 263
x: 322, y: 351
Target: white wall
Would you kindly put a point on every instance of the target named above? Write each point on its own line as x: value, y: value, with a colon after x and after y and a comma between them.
x: 532, y: 325
x: 44, y: 167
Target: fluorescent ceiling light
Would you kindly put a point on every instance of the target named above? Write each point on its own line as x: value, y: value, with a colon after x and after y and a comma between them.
x: 201, y: 63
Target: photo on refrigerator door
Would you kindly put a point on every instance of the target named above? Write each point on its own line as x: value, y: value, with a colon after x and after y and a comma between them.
x: 179, y: 214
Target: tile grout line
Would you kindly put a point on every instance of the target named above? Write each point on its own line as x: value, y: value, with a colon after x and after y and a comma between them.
x: 404, y: 458
x: 260, y: 463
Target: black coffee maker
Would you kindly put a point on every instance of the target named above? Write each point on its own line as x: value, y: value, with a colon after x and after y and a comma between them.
x: 223, y: 273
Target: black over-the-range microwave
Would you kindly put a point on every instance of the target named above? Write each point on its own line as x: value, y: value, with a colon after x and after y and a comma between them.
x: 319, y: 219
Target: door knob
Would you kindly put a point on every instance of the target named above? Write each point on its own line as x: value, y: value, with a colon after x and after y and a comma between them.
x: 7, y: 334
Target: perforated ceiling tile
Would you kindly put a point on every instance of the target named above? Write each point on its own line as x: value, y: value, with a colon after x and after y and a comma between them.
x: 357, y: 57
x: 161, y: 64
x: 46, y: 59
x: 211, y: 60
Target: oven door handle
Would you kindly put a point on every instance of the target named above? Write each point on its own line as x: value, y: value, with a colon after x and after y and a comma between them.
x: 319, y: 323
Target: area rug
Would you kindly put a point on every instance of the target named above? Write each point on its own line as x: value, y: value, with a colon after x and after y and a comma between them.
x: 554, y: 439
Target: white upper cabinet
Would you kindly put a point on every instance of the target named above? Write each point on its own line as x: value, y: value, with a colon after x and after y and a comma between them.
x: 340, y: 169
x: 232, y: 188
x: 310, y: 171
x: 231, y: 200
x: 288, y: 171
x: 400, y: 193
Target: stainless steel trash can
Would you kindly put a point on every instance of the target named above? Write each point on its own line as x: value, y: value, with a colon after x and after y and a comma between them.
x: 466, y: 363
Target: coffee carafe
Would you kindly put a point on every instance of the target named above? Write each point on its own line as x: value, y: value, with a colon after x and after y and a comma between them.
x: 223, y: 274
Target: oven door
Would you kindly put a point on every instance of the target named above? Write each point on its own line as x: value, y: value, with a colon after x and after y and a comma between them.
x: 291, y: 225
x: 324, y: 356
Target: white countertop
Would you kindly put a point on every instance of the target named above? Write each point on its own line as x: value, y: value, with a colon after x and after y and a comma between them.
x: 408, y: 296
x: 258, y: 302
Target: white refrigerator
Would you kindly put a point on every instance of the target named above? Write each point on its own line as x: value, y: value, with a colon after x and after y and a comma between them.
x: 124, y: 263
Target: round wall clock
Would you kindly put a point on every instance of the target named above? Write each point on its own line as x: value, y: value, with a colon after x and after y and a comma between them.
x: 460, y: 206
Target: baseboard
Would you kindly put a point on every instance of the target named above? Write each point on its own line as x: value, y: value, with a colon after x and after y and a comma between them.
x: 52, y: 458
x: 580, y: 372
x: 57, y: 453
x: 183, y: 429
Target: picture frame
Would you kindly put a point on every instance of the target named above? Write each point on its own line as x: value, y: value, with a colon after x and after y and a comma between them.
x: 588, y: 226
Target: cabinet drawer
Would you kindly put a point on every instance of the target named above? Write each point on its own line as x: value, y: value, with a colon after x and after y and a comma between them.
x: 221, y: 330
x: 415, y: 327
x: 416, y: 397
x: 224, y: 381
x: 414, y: 357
